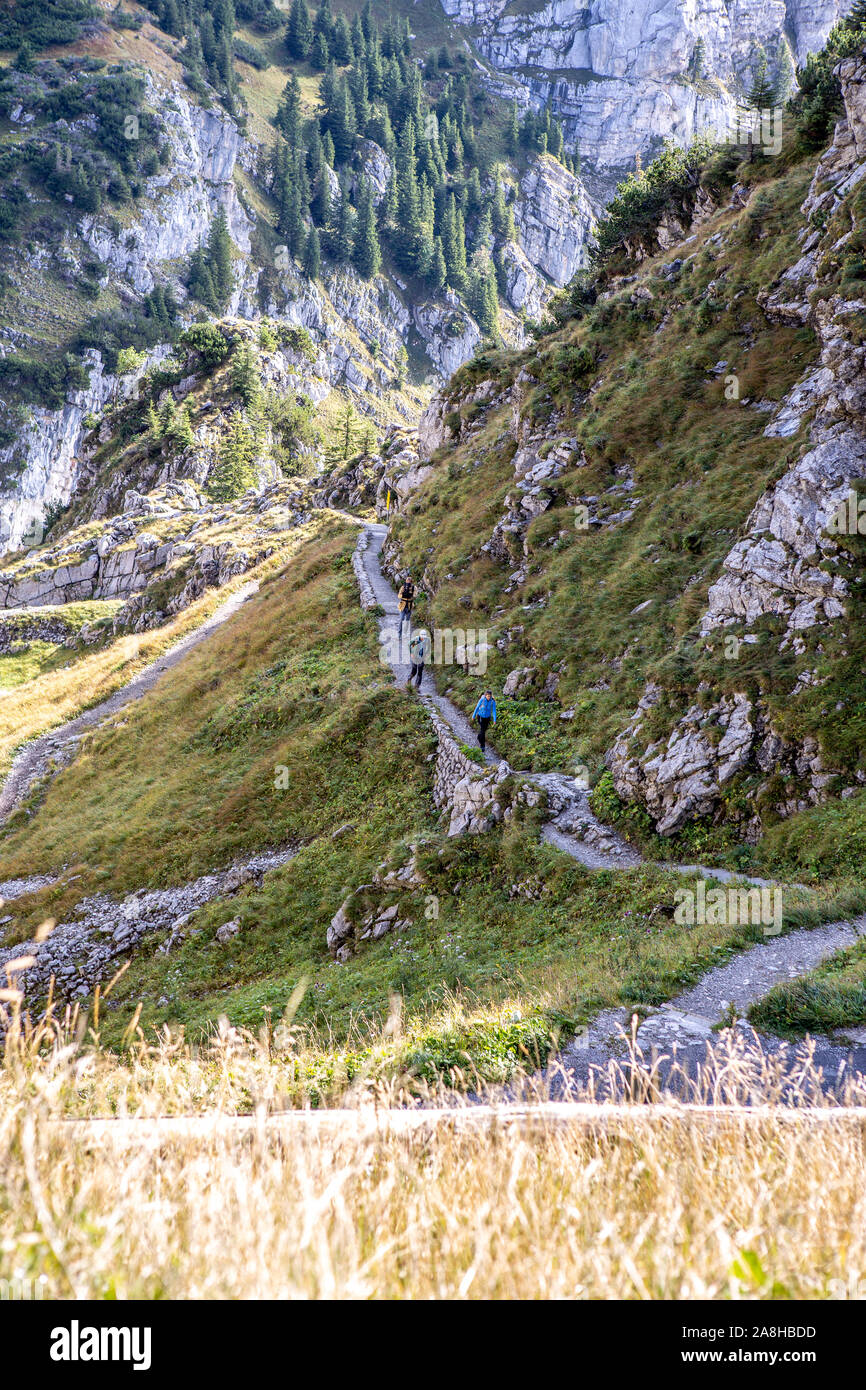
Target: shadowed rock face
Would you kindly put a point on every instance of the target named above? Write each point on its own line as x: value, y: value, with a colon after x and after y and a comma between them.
x: 624, y: 74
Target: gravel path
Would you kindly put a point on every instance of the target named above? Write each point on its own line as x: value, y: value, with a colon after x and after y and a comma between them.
x: 57, y: 747
x: 681, y: 1029
x: 685, y: 1025
x: 575, y: 829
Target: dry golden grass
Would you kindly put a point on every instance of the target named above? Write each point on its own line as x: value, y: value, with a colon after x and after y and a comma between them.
x: 646, y: 1202
x: 51, y: 699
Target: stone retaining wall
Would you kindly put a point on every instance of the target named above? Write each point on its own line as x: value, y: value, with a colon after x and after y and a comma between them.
x: 368, y: 598
x: 460, y: 786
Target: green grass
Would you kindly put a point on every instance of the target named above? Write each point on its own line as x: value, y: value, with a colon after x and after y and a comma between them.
x: 657, y: 415
x: 831, y: 996
x: 30, y: 658
x: 825, y: 841
x: 698, y: 462
x: 510, y: 942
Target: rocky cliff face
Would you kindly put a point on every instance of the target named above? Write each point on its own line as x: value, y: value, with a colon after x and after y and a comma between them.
x: 178, y: 205
x: 359, y: 328
x: 49, y: 450
x: 554, y: 216
x: 624, y: 74
x: 787, y: 563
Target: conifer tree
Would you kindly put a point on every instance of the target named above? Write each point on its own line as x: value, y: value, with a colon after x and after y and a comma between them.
x: 245, y: 376
x: 484, y: 298
x: 167, y: 414
x: 358, y: 88
x: 368, y: 24
x: 200, y: 281
x: 342, y: 123
x: 324, y: 21
x: 320, y: 183
x: 341, y: 42
x: 698, y: 59
x: 367, y: 255
x: 342, y: 238
x: 374, y: 70
x: 785, y: 74
x: 24, y: 58
x: 761, y: 97
x: 180, y: 429
x: 408, y: 215
x: 454, y: 245
x: 555, y: 141
x: 438, y: 274
x: 761, y: 94
x: 312, y: 255
x: 320, y: 54
x: 219, y: 249
x: 344, y: 436
x: 502, y: 216
x: 288, y: 117
x: 359, y: 43
x: 299, y: 35
x: 234, y: 471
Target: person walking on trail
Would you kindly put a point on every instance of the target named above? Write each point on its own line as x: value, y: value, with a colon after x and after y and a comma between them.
x: 485, y: 713
x: 419, y: 648
x: 405, y: 602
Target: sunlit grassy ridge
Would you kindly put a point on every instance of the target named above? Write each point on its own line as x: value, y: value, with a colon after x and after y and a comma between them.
x: 657, y: 413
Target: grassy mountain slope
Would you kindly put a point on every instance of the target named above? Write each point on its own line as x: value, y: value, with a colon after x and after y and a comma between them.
x: 633, y: 396
x: 509, y: 940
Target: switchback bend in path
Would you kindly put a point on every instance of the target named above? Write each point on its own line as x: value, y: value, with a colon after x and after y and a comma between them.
x: 687, y: 1023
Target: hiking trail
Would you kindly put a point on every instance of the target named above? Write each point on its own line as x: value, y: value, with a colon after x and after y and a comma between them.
x: 55, y: 748
x: 688, y: 1021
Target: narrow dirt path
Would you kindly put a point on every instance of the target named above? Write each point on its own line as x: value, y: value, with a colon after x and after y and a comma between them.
x: 678, y: 1032
x: 56, y: 747
x: 609, y: 850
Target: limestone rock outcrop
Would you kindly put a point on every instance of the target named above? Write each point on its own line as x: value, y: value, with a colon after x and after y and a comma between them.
x: 554, y: 216
x: 787, y: 563
x: 625, y: 74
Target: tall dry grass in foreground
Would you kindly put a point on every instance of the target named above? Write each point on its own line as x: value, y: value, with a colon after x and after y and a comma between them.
x: 659, y: 1202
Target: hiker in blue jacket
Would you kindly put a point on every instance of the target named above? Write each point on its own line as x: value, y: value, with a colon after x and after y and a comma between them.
x: 485, y: 713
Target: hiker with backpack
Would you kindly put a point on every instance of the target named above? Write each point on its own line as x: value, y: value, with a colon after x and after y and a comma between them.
x: 419, y: 648
x: 485, y: 713
x: 405, y: 603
